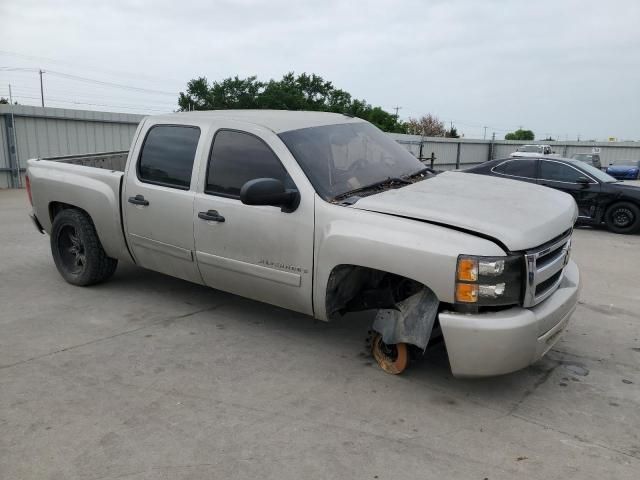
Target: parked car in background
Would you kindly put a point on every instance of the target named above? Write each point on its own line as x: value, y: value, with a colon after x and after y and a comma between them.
x: 630, y: 171
x: 532, y: 151
x: 322, y: 214
x: 600, y: 197
x: 592, y: 159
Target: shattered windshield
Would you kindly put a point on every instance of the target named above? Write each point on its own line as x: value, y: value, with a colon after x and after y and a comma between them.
x: 341, y: 158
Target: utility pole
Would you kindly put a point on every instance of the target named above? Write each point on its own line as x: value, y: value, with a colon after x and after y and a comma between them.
x: 41, y: 89
x: 396, y: 108
x: 484, y: 137
x: 13, y: 149
x: 491, y: 146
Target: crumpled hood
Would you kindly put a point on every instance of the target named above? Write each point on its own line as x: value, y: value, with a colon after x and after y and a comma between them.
x: 521, y: 215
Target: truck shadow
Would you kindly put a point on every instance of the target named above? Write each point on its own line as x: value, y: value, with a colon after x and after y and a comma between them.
x: 338, y: 346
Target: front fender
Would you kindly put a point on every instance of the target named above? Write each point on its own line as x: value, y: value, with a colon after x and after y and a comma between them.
x: 410, y: 248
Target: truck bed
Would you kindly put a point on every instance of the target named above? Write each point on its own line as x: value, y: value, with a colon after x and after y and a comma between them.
x: 115, y: 161
x: 90, y: 182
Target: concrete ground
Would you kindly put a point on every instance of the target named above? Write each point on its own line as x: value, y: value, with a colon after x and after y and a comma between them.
x: 149, y: 377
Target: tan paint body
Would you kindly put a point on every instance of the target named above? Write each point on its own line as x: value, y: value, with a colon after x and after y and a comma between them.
x: 286, y: 259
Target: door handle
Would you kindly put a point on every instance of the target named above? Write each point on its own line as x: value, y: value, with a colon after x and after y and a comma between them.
x: 211, y: 216
x: 138, y: 200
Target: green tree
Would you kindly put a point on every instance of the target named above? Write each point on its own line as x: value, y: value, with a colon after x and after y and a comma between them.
x: 520, y: 134
x: 452, y: 133
x: 291, y: 92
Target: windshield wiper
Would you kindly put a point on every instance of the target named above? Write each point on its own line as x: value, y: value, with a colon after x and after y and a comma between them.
x: 386, y: 182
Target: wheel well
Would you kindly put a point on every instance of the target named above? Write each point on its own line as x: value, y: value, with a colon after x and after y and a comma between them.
x: 353, y: 288
x: 56, y: 207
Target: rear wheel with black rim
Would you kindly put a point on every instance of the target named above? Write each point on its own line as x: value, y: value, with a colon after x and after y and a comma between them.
x: 623, y: 217
x: 77, y: 251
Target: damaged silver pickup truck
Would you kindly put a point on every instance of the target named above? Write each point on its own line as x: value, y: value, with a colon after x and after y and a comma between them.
x: 322, y: 214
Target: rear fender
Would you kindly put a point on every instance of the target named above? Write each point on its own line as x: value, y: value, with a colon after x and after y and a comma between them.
x: 96, y: 191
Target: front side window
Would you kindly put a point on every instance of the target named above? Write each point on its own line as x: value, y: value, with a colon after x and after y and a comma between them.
x: 167, y: 155
x: 236, y: 158
x: 518, y: 168
x: 597, y: 173
x: 559, y: 172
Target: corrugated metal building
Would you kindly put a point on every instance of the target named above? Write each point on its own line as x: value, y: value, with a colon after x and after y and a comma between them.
x: 41, y: 132
x: 452, y: 153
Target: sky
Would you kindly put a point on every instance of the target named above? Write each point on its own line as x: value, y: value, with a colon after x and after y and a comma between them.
x: 562, y: 68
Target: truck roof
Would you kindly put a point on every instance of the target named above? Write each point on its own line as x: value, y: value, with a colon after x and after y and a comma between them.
x: 275, y: 120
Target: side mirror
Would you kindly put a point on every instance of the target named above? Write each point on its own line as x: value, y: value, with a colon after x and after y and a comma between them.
x: 583, y: 181
x: 269, y: 191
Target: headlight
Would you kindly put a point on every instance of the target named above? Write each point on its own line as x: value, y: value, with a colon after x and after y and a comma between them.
x: 489, y: 281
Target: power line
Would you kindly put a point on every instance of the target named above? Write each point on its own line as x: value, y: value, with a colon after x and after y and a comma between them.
x: 89, y: 80
x: 66, y: 101
x: 110, y: 84
x: 34, y: 89
x: 82, y: 66
x: 89, y: 98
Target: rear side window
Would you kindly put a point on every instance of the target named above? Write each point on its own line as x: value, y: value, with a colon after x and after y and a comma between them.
x: 518, y: 168
x: 167, y: 155
x: 236, y: 158
x: 559, y: 172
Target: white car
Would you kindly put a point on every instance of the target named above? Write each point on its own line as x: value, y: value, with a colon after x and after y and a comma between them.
x: 532, y: 151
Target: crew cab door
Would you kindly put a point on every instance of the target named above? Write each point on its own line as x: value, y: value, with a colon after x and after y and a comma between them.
x: 564, y: 177
x: 259, y: 252
x: 158, y: 201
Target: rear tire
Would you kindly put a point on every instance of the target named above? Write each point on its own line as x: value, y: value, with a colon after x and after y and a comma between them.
x: 623, y: 217
x: 77, y: 251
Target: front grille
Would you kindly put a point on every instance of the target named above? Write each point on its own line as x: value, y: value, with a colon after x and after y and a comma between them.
x: 544, y: 269
x: 542, y: 287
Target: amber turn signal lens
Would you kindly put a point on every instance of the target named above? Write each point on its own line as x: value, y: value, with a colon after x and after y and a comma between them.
x: 466, y: 293
x: 467, y: 269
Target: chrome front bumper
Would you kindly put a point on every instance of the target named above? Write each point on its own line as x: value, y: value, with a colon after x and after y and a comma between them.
x: 501, y: 342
